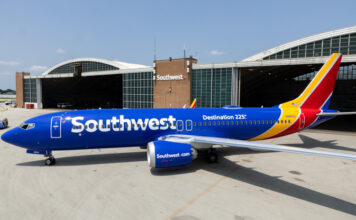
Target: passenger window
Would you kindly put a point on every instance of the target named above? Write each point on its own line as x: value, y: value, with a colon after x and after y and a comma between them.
x: 227, y: 123
x: 245, y: 122
x: 194, y: 124
x: 250, y: 122
x: 209, y: 123
x: 236, y: 122
x: 214, y: 123
x: 199, y: 123
x: 254, y: 122
x: 204, y: 123
x: 241, y: 122
x: 115, y: 126
x: 289, y: 121
x: 219, y: 123
x: 281, y: 121
x: 285, y: 121
x: 222, y: 123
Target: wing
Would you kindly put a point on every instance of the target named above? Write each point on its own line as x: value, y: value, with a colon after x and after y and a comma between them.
x: 335, y: 113
x: 193, y: 140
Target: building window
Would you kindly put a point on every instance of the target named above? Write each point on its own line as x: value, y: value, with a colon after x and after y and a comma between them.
x: 87, y: 66
x: 345, y: 73
x: 212, y: 87
x: 138, y: 90
x: 345, y: 44
x: 30, y: 90
x: 352, y: 44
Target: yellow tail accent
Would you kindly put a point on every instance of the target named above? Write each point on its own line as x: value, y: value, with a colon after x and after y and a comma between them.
x: 193, y: 103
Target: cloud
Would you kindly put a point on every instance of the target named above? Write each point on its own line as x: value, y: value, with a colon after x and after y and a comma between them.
x: 37, y: 68
x: 216, y: 52
x: 9, y: 63
x: 61, y: 51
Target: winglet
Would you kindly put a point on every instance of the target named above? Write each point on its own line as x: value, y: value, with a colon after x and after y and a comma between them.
x: 194, y: 103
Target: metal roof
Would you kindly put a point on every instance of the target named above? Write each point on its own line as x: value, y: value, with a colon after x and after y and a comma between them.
x: 115, y: 63
x: 305, y: 40
x: 276, y: 62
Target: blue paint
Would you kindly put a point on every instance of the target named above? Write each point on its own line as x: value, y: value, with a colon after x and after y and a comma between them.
x: 45, y: 137
x: 171, y: 154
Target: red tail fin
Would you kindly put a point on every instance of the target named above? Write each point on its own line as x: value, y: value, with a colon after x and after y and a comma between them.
x: 321, y: 87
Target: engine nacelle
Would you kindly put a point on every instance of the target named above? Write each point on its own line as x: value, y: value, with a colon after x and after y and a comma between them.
x: 163, y: 154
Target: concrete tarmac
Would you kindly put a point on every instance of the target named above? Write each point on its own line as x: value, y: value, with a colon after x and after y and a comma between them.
x: 118, y: 184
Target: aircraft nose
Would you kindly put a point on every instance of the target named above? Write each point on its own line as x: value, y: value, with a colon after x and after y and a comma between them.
x: 10, y: 137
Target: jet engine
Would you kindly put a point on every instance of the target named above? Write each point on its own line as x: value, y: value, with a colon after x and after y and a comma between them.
x: 164, y: 154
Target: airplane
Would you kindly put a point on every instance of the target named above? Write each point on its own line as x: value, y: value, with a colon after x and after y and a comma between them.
x: 174, y: 136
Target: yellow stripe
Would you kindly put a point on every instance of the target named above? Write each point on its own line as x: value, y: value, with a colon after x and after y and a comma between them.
x: 287, y: 114
x: 290, y: 110
x: 193, y: 103
x: 316, y: 80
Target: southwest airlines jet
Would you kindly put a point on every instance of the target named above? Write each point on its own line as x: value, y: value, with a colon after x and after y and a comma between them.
x: 174, y: 136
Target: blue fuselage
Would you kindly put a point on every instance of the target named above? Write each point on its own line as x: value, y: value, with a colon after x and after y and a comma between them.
x: 86, y: 129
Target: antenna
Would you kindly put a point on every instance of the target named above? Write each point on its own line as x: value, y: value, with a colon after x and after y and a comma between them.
x: 184, y: 56
x: 154, y: 49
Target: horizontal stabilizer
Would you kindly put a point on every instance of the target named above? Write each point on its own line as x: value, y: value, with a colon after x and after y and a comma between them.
x: 335, y: 113
x: 252, y: 145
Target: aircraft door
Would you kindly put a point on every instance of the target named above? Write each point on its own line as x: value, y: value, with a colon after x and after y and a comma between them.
x: 180, y: 125
x: 56, y: 127
x: 188, y: 125
x: 301, y: 121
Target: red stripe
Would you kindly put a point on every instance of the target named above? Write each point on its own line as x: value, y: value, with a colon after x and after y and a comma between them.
x: 324, y: 89
x: 310, y: 116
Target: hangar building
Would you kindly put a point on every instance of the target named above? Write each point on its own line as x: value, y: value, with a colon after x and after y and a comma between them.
x: 265, y: 79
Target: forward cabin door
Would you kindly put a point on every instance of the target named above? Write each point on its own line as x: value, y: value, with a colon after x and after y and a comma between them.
x: 56, y: 127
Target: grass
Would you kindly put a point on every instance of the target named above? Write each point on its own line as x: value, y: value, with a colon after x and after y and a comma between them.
x: 3, y: 99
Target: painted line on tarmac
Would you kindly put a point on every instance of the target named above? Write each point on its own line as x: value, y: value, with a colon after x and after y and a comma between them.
x: 201, y: 194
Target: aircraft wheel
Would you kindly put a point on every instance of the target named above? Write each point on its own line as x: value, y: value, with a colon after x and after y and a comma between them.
x: 50, y: 161
x: 212, y: 157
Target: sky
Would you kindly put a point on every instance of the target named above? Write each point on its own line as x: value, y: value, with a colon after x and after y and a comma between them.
x: 36, y: 35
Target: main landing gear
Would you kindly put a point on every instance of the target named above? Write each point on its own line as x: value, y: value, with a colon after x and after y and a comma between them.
x: 50, y: 160
x: 212, y: 156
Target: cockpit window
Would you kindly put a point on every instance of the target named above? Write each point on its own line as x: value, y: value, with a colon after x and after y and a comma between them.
x: 27, y: 126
